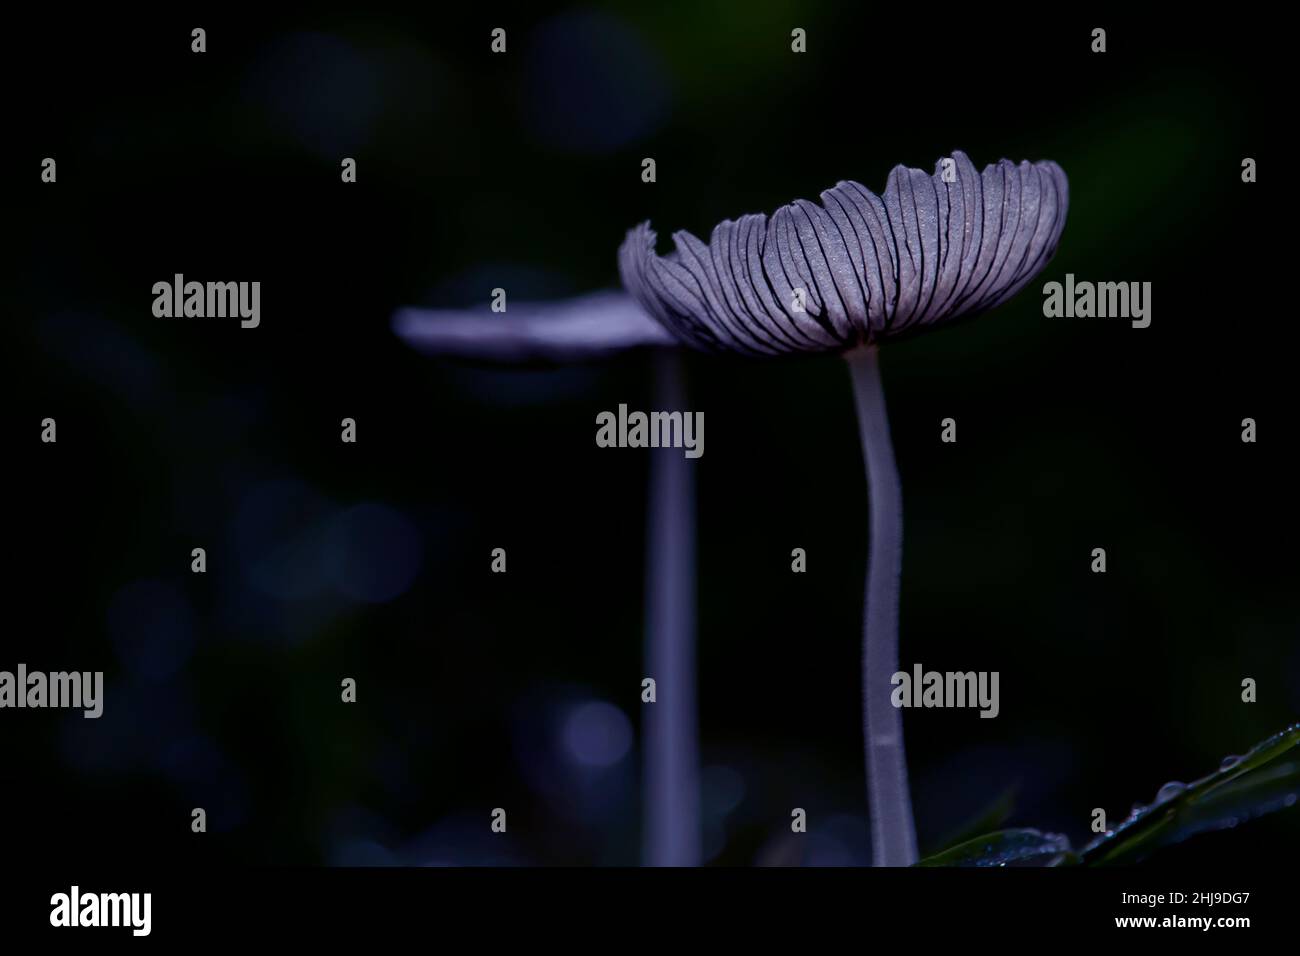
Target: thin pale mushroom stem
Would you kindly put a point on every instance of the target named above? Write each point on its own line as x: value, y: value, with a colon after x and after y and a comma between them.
x: 671, y: 833
x: 893, y: 834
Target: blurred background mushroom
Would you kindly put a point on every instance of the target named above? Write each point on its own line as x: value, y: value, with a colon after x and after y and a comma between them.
x: 593, y: 326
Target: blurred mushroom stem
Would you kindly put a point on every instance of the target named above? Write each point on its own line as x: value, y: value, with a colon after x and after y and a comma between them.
x: 893, y: 834
x: 671, y: 831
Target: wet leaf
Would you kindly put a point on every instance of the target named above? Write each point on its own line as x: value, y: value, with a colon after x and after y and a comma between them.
x: 988, y: 820
x: 1006, y: 848
x: 1264, y: 780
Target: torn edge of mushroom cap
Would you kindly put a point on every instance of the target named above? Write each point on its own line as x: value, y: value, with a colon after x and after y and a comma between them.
x: 588, y: 327
x: 925, y: 252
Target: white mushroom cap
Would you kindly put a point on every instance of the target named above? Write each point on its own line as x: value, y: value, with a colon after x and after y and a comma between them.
x: 868, y: 268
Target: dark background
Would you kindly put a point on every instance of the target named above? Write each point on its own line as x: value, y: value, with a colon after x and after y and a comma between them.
x: 521, y: 690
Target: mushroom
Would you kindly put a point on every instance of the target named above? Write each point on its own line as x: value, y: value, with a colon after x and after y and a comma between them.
x: 840, y: 277
x: 588, y: 328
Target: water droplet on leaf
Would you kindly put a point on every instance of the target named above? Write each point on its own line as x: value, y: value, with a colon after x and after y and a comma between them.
x: 1170, y: 790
